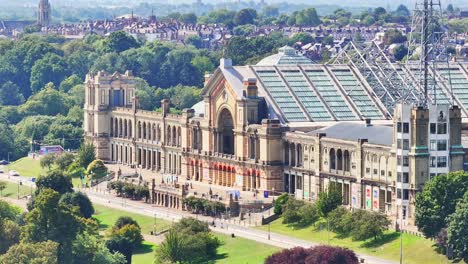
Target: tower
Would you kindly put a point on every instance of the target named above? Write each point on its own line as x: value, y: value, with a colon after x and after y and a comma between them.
x: 44, y: 13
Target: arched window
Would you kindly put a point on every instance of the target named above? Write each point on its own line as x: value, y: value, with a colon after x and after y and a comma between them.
x: 168, y: 136
x: 144, y: 130
x: 346, y: 160
x: 286, y: 153
x: 179, y: 137
x: 332, y: 159
x: 339, y: 159
x: 292, y: 155
x: 226, y: 135
x: 299, y: 155
x: 111, y: 127
x: 158, y: 133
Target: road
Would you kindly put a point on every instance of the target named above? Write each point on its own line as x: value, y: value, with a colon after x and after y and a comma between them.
x: 221, y: 226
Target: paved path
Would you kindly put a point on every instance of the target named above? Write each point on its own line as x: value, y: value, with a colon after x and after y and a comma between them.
x: 221, y: 226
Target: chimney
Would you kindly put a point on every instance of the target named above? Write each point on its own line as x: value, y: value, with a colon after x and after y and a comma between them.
x: 368, y: 122
x: 165, y: 104
x: 250, y: 87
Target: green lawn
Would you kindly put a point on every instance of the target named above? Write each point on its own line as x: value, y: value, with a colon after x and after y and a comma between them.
x: 415, y: 249
x: 233, y: 250
x: 27, y: 167
x: 12, y: 190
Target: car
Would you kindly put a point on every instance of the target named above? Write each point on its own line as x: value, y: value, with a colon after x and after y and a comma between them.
x: 13, y: 173
x: 3, y: 162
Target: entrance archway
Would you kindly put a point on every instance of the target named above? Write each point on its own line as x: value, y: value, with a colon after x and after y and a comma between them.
x: 226, y: 135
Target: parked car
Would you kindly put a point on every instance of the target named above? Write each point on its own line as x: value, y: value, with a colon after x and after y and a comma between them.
x: 3, y: 162
x: 14, y: 173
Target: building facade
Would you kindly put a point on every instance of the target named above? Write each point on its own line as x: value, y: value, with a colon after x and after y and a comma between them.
x: 249, y: 133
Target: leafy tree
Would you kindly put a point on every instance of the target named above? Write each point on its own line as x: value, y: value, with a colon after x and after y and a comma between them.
x: 307, y: 17
x: 292, y: 255
x: 120, y: 245
x: 10, y: 94
x: 54, y: 180
x: 280, y: 202
x: 3, y: 186
x: 392, y: 36
x: 400, y: 52
x: 6, y: 140
x: 309, y: 214
x: 438, y: 200
x: 178, y: 69
x: 195, y: 41
x: 90, y: 249
x: 31, y: 253
x: 458, y: 229
x: 51, y: 68
x: 188, y: 18
x: 302, y: 37
x: 78, y: 199
x: 8, y: 211
x: 244, y: 30
x: 291, y: 211
x: 331, y: 255
x: 86, y: 154
x: 340, y: 221
x: 51, y: 221
x: 47, y: 161
x: 119, y: 41
x: 130, y: 232
x: 123, y: 221
x: 172, y: 248
x: 403, y: 11
x: 64, y: 160
x: 10, y: 234
x: 48, y: 101
x: 329, y: 200
x: 368, y: 225
x: 328, y: 40
x: 270, y: 11
x: 97, y: 169
x: 69, y: 83
x: 245, y: 16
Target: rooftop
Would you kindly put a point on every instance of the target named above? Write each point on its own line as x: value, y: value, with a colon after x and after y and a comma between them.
x: 285, y: 56
x: 380, y: 135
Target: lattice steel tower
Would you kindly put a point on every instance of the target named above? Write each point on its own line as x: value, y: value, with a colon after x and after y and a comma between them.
x: 427, y: 52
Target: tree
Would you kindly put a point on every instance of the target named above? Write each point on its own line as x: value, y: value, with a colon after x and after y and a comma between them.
x: 172, y: 248
x: 10, y: 94
x: 438, y: 200
x: 69, y: 83
x: 245, y: 16
x: 188, y: 18
x: 55, y: 180
x: 302, y: 37
x: 97, y: 169
x: 244, y: 30
x: 3, y: 186
x: 331, y: 255
x: 400, y: 52
x: 8, y: 212
x: 307, y: 17
x: 119, y: 41
x: 86, y: 154
x: 123, y: 221
x: 90, y: 249
x: 47, y: 161
x: 130, y: 232
x: 329, y: 200
x: 280, y: 202
x: 120, y: 245
x: 318, y: 254
x: 64, y: 160
x: 195, y: 41
x: 31, y: 253
x: 392, y: 36
x: 340, y: 221
x: 48, y: 101
x: 51, y: 221
x: 367, y: 225
x: 51, y: 68
x: 458, y: 229
x: 78, y: 199
x: 10, y: 234
x: 291, y: 211
x: 403, y: 11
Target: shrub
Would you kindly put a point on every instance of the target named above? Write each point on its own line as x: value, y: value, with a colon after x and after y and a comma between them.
x: 291, y: 211
x: 340, y: 221
x: 309, y: 214
x: 279, y: 202
x: 97, y: 169
x: 368, y: 225
x: 331, y: 255
x: 288, y: 256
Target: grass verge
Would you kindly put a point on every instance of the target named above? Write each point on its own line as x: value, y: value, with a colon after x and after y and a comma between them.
x: 416, y: 249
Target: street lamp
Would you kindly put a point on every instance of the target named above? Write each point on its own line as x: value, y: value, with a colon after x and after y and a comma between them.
x: 269, y: 223
x: 154, y: 226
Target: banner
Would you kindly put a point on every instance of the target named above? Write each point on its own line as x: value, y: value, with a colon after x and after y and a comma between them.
x: 375, y: 198
x: 368, y: 197
x: 354, y: 195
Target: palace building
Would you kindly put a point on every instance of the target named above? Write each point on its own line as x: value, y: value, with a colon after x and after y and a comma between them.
x: 283, y: 125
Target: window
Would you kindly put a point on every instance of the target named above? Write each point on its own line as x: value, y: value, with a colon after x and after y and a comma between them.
x: 441, y: 144
x: 375, y: 171
x: 389, y: 174
x: 298, y: 182
x: 405, y: 144
x: 399, y: 144
x: 382, y: 173
x: 432, y: 162
x: 405, y: 127
x: 405, y: 194
x: 398, y: 160
x: 399, y: 127
x: 441, y: 162
x: 405, y: 177
x: 399, y: 176
x: 433, y: 145
x: 398, y: 193
x: 405, y: 161
x: 442, y: 128
x: 367, y: 170
x: 433, y: 128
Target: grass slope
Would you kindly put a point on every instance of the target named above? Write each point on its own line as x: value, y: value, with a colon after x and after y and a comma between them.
x: 27, y: 167
x: 416, y: 249
x: 12, y: 190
